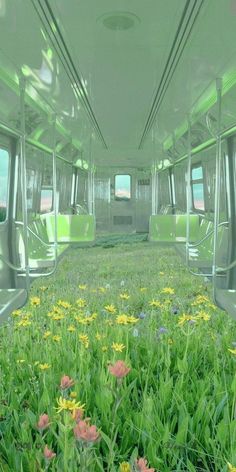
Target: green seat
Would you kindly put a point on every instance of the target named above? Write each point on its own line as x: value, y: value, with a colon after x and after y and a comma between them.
x: 172, y: 228
x: 41, y: 253
x: 11, y: 299
x: 71, y: 228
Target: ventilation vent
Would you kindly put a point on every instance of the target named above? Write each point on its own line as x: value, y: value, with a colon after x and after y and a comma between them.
x: 122, y: 220
x: 144, y: 182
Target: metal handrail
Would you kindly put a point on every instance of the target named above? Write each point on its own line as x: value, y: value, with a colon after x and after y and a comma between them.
x: 36, y: 236
x: 198, y: 243
x: 9, y: 264
x: 225, y: 269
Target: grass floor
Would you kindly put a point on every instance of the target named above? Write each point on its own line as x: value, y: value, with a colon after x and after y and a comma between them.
x: 175, y: 406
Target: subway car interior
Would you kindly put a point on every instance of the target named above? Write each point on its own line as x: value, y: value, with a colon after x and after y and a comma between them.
x: 117, y: 235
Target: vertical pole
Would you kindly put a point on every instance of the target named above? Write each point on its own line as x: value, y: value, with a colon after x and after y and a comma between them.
x: 90, y: 180
x: 55, y: 199
x: 154, y: 189
x: 217, y: 185
x: 23, y: 180
x: 188, y: 192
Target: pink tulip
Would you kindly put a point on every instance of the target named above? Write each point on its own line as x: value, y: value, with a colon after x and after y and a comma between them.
x: 66, y: 382
x: 48, y: 453
x: 43, y: 422
x: 84, y: 432
x: 119, y: 369
x: 141, y: 465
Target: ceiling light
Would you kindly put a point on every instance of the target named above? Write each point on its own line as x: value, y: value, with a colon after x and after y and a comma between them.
x: 119, y: 21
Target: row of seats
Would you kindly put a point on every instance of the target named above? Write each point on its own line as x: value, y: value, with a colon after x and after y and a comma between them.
x: 41, y: 250
x: 172, y: 229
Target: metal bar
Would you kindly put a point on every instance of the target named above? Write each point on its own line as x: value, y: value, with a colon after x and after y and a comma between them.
x: 217, y: 185
x: 8, y: 129
x: 55, y: 199
x: 188, y: 195
x: 9, y: 264
x: 23, y: 179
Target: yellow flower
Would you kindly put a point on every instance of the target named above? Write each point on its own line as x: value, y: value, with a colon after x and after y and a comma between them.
x: 81, y: 303
x: 200, y: 299
x: 71, y: 329
x: 24, y: 322
x: 155, y: 303
x: 64, y: 304
x: 132, y: 319
x: 184, y: 318
x: 17, y: 313
x: 35, y: 301
x: 170, y: 341
x: 161, y: 273
x: 124, y: 296
x: 143, y: 289
x: 98, y: 336
x: 233, y: 351
x: 57, y: 310
x: 56, y: 338
x: 20, y: 361
x: 47, y: 334
x: 231, y: 468
x: 69, y: 405
x: 125, y: 467
x: 44, y: 366
x: 202, y: 315
x: 58, y: 317
x: 168, y: 290
x: 84, y: 340
x: 102, y: 289
x: 122, y: 319
x: 82, y: 286
x: 73, y: 394
x: 118, y: 347
x: 110, y: 308
x: 104, y: 348
x: 43, y: 288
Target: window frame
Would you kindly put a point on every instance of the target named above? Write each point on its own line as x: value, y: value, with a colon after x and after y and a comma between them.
x: 198, y: 181
x: 120, y: 199
x: 4, y: 147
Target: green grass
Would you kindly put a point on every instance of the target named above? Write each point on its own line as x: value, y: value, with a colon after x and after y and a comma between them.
x: 176, y: 406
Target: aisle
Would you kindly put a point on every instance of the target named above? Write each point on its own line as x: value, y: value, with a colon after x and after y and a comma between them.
x: 126, y: 337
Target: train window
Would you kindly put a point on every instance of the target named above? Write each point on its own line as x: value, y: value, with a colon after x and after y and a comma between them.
x: 46, y: 201
x: 122, y: 187
x: 30, y: 187
x: 198, y: 188
x: 4, y: 170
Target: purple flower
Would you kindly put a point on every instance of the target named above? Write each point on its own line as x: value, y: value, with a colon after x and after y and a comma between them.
x: 175, y: 310
x: 162, y: 330
x: 192, y: 322
x: 142, y: 315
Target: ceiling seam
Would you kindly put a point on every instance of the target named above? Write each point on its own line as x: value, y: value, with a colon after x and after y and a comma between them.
x: 173, y: 60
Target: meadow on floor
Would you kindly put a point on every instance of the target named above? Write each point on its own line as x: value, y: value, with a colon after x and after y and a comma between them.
x: 120, y: 362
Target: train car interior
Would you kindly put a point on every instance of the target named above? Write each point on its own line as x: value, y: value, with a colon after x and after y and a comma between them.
x: 117, y: 118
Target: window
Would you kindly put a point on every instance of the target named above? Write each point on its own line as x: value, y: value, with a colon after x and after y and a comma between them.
x: 198, y: 188
x: 4, y: 170
x: 122, y: 187
x: 46, y: 200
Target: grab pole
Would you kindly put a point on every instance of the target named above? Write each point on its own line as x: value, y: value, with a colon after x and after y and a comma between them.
x: 217, y: 184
